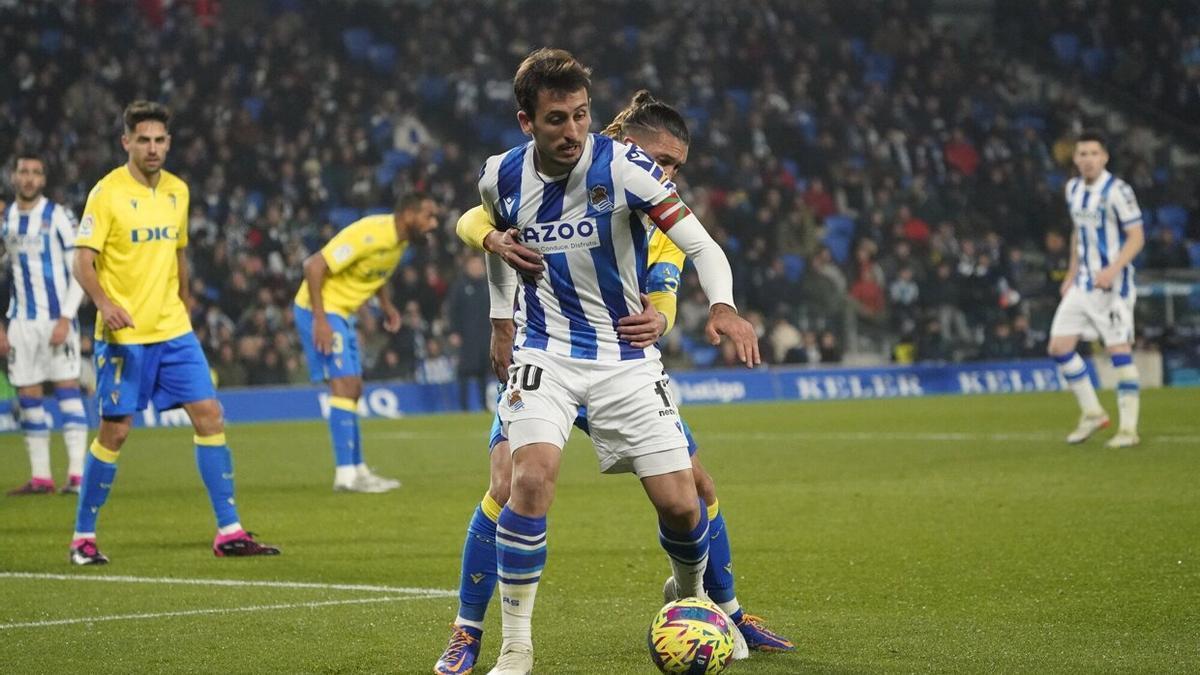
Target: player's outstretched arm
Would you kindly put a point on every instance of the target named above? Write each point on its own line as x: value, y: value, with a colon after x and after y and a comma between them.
x: 114, y: 316
x: 716, y: 278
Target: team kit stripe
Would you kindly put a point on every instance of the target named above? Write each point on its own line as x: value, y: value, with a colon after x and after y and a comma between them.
x: 39, y: 267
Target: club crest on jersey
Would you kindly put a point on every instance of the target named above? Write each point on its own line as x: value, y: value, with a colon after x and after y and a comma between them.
x: 599, y: 199
x: 514, y: 400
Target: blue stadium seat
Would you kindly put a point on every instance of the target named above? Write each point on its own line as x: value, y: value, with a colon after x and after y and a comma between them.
x: 741, y: 99
x: 51, y: 40
x: 254, y: 105
x: 256, y: 200
x: 357, y: 41
x: 1194, y: 253
x: 793, y: 267
x: 1066, y: 47
x: 1094, y: 61
x: 1175, y: 217
x: 839, y: 235
x: 382, y: 57
x: 858, y: 47
x: 1056, y: 179
x: 433, y: 88
x: 879, y: 68
x: 842, y: 225
x: 341, y: 216
x: 376, y: 211
x: 512, y: 137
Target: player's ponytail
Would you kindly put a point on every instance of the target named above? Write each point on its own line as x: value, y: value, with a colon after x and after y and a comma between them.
x: 648, y: 114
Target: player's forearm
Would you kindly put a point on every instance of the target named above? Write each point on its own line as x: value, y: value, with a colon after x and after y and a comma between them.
x: 666, y: 303
x: 716, y: 277
x: 185, y: 278
x: 85, y: 273
x: 384, y: 294
x: 1073, y: 264
x: 502, y: 287
x: 314, y: 276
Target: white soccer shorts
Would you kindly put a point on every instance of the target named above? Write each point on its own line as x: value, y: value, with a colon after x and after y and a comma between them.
x: 31, y: 359
x: 634, y: 423
x: 1095, y: 314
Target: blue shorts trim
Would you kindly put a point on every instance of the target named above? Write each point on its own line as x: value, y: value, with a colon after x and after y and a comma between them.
x: 344, y: 361
x: 169, y: 374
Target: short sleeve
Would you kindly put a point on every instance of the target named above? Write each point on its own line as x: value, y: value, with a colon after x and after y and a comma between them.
x: 347, y: 246
x: 96, y: 221
x: 65, y: 228
x: 647, y: 190
x: 1129, y: 214
x: 665, y: 263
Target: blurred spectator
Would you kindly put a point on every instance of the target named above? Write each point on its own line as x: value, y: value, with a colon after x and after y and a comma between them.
x: 470, y: 331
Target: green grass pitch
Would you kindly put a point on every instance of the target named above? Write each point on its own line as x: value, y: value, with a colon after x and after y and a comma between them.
x: 930, y: 535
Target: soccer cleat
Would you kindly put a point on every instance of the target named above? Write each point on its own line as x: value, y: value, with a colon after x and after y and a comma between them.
x: 71, y: 487
x: 1088, y: 425
x: 375, y: 480
x: 240, y: 544
x: 35, y: 486
x: 1123, y: 439
x: 741, y: 650
x: 462, y: 652
x: 85, y: 552
x: 360, y: 484
x: 515, y: 659
x: 759, y: 638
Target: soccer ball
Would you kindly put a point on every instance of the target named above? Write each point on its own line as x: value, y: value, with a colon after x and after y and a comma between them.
x: 691, y: 635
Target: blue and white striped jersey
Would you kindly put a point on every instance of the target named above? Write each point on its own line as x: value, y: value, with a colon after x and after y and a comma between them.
x: 594, y: 246
x: 1102, y: 212
x: 40, y: 246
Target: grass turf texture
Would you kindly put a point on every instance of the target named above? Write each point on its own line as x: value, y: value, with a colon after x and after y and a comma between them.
x: 937, y: 534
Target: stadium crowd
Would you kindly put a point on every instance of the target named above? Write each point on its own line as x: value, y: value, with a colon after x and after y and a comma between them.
x: 878, y: 184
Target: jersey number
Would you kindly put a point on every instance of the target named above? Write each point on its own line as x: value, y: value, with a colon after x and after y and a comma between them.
x: 660, y: 388
x: 530, y: 377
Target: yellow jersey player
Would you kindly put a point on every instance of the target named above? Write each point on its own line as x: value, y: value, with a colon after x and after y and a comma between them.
x: 130, y: 259
x: 660, y: 132
x: 354, y: 266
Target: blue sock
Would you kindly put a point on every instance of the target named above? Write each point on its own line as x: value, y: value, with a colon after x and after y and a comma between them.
x: 520, y: 557
x: 718, y: 576
x: 343, y: 430
x: 478, y: 580
x: 357, y: 456
x: 216, y: 470
x: 99, y: 471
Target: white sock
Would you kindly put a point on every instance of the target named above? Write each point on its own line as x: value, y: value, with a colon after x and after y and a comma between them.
x: 730, y: 608
x: 229, y: 529
x: 689, y: 577
x: 1075, y: 372
x: 1128, y: 398
x: 37, y: 441
x: 74, y: 434
x: 345, y: 474
x: 362, y: 469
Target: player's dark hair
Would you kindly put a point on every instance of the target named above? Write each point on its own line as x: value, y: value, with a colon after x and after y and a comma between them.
x: 1095, y: 136
x: 548, y: 69
x: 648, y: 114
x: 412, y: 201
x: 141, y: 111
x: 27, y: 154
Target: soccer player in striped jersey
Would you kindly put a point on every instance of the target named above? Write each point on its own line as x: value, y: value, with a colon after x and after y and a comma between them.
x: 1098, y: 293
x: 571, y: 198
x: 131, y: 260
x: 354, y: 266
x: 660, y: 131
x: 42, y: 338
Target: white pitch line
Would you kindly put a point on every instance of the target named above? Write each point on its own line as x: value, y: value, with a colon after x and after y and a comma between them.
x: 199, y: 612
x: 425, y: 592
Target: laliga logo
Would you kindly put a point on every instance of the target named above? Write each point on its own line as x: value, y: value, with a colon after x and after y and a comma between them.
x: 163, y: 233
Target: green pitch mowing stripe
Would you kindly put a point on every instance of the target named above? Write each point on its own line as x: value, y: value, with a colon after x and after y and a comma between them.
x: 940, y: 534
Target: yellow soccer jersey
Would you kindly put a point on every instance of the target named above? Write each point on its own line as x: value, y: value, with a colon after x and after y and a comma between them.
x: 136, y: 232
x: 360, y: 258
x: 664, y: 266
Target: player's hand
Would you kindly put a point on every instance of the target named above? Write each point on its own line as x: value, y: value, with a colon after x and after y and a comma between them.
x: 4, y: 346
x: 503, y: 334
x: 62, y: 328
x: 643, y: 329
x: 391, y: 319
x: 1107, y: 276
x: 526, y: 261
x: 322, y: 335
x: 724, y: 320
x: 115, y: 317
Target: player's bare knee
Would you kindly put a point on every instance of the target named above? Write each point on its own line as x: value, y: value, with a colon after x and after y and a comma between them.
x: 113, y: 432
x: 680, y: 514
x: 500, y: 488
x: 207, y: 418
